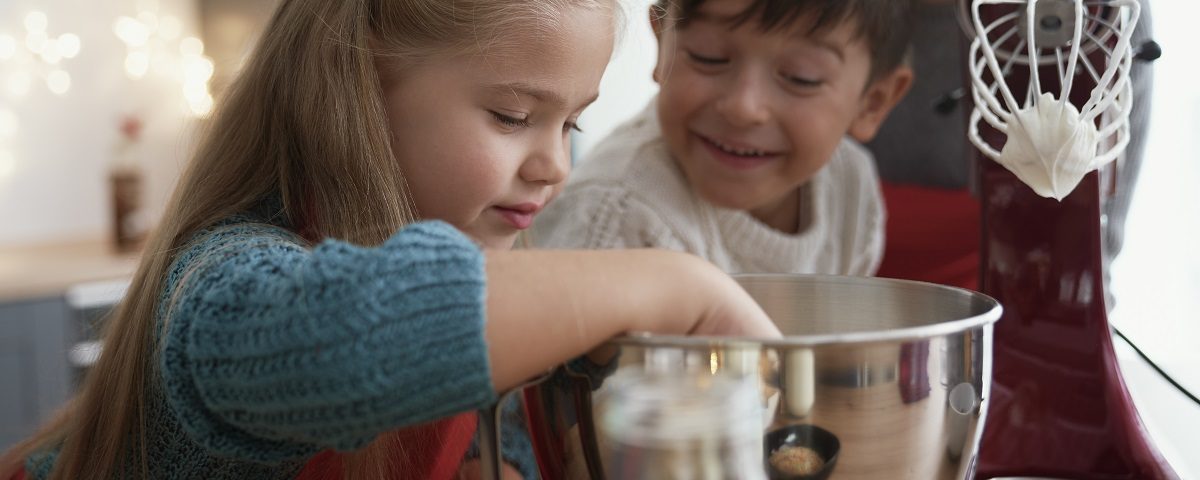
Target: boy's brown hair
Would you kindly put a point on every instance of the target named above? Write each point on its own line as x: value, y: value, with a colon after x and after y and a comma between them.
x: 886, y: 25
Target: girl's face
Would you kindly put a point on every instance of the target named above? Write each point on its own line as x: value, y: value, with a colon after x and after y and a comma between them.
x: 484, y: 140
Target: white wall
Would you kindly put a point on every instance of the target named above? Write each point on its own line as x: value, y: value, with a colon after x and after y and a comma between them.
x: 627, y: 85
x: 53, y: 184
x: 1156, y: 277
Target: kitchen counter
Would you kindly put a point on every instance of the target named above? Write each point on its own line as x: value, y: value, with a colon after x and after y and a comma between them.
x: 49, y: 269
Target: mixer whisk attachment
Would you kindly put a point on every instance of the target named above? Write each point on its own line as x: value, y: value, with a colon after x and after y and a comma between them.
x: 1050, y: 142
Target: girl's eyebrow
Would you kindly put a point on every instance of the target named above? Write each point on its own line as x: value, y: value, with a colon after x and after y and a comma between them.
x: 538, y: 93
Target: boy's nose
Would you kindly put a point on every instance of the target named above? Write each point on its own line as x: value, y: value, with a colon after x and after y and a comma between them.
x: 742, y: 104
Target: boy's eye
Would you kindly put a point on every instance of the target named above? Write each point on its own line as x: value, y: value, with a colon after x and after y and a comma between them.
x: 510, y: 121
x: 802, y: 81
x: 707, y: 60
x: 572, y: 126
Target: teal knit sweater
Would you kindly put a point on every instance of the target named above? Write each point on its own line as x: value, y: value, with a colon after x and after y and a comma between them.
x: 272, y: 351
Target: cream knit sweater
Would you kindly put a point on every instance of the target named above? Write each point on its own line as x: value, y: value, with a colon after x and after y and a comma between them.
x: 629, y: 193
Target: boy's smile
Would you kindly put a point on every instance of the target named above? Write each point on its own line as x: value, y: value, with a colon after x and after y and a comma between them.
x: 739, y: 155
x: 752, y: 115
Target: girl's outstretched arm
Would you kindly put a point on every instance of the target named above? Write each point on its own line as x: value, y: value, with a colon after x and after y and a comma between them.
x: 545, y: 307
x: 272, y: 350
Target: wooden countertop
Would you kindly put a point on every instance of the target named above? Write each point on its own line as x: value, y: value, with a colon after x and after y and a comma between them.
x: 49, y: 269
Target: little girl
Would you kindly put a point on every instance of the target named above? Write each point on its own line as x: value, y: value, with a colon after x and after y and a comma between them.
x: 291, y: 302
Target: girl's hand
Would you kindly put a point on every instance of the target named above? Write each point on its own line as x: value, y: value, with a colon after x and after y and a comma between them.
x: 545, y: 307
x: 725, y: 308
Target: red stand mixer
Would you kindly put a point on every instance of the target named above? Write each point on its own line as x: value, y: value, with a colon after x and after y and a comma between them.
x: 1059, y: 406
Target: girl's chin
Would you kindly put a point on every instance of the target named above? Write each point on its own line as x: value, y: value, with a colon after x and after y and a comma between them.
x: 491, y: 235
x: 496, y: 242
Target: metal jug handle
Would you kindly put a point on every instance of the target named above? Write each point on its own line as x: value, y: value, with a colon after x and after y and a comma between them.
x: 587, y: 428
x: 489, y: 431
x: 489, y: 441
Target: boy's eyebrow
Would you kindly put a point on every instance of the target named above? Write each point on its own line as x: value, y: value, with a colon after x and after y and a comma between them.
x: 538, y: 93
x: 818, y: 41
x: 705, y: 16
x: 827, y: 45
x: 812, y: 37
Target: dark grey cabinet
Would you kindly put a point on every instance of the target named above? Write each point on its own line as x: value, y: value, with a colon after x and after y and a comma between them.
x: 35, y: 376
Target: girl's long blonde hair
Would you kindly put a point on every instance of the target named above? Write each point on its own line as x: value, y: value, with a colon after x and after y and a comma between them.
x: 305, y: 121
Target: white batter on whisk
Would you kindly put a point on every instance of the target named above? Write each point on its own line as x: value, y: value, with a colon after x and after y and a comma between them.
x: 1049, y: 148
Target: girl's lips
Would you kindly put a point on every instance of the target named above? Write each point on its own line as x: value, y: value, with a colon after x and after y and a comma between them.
x: 520, y: 217
x: 734, y: 161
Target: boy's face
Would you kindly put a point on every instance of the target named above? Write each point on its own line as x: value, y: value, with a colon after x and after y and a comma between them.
x: 483, y: 141
x: 750, y: 115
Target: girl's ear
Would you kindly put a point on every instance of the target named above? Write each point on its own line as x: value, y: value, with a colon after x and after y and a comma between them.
x: 658, y: 16
x: 881, y: 96
x: 382, y: 73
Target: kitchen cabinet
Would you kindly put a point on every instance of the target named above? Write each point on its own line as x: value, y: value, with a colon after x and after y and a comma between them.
x: 35, y: 336
x: 50, y: 296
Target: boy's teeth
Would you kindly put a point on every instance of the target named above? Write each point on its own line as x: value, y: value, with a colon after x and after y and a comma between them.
x: 739, y: 151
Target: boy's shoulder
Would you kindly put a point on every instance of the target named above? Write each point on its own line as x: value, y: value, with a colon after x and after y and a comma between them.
x: 853, y: 165
x: 633, y: 158
x: 627, y: 191
x: 849, y: 191
x: 853, y: 159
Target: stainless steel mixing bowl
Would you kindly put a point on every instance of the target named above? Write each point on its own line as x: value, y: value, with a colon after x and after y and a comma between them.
x: 898, y: 371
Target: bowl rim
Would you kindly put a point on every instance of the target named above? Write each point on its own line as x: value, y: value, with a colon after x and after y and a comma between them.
x: 940, y: 329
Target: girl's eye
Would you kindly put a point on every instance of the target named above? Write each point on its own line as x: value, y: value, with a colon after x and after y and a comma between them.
x: 572, y: 126
x: 510, y: 121
x: 707, y: 60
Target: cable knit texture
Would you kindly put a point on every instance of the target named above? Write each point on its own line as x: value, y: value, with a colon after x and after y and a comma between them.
x: 272, y: 351
x: 629, y: 193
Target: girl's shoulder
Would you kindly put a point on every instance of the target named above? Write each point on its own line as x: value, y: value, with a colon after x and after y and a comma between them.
x: 243, y: 228
x: 261, y: 224
x: 239, y: 235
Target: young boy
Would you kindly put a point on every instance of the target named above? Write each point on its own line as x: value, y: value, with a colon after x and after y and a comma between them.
x: 748, y: 156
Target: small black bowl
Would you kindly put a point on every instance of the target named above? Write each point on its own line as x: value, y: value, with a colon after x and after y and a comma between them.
x: 816, y: 438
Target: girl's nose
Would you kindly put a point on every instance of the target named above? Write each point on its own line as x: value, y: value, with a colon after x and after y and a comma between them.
x: 548, y: 165
x: 743, y: 104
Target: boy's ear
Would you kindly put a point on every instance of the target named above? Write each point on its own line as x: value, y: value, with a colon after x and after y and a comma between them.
x: 881, y: 96
x: 658, y: 19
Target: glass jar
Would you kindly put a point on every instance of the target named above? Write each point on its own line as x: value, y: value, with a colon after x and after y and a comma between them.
x: 675, y: 425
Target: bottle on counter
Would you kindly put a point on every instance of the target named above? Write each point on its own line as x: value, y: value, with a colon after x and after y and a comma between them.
x: 126, y: 180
